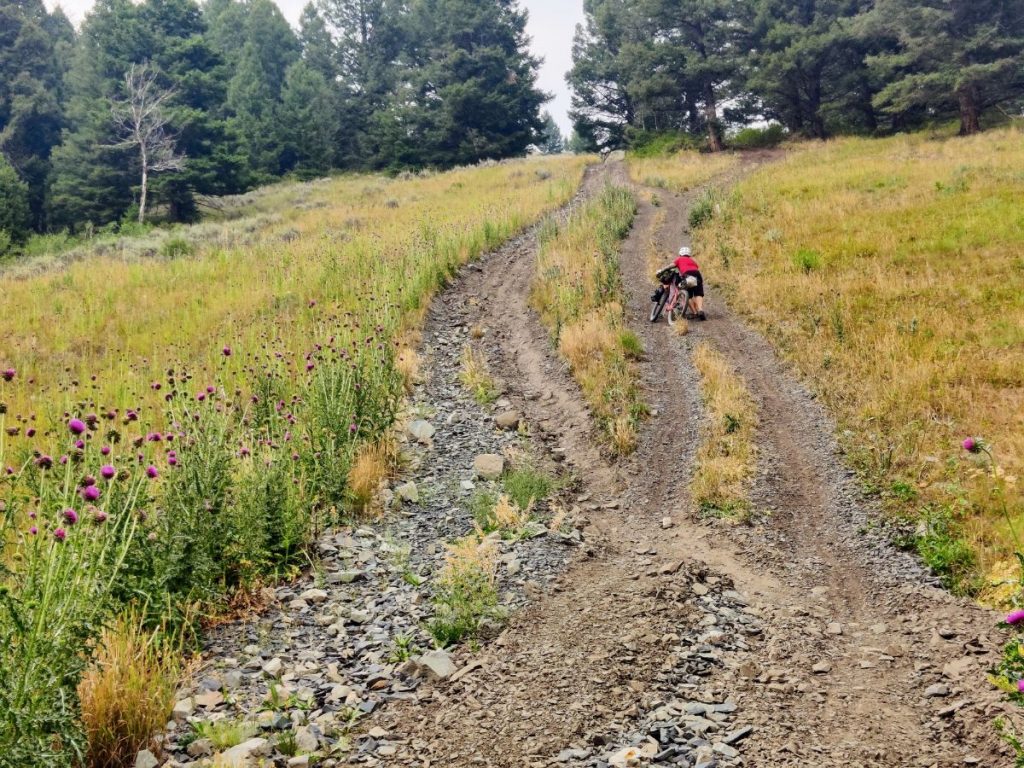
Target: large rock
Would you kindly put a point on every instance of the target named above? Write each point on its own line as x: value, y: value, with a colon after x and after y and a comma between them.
x: 408, y: 492
x: 508, y: 420
x: 314, y: 596
x: 183, y: 710
x: 421, y: 431
x: 273, y: 668
x: 489, y: 466
x: 306, y: 741
x: 245, y: 755
x: 146, y: 759
x: 435, y: 665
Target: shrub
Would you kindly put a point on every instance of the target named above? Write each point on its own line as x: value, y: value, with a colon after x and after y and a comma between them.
x: 176, y: 247
x: 644, y: 144
x: 476, y: 376
x: 465, y: 592
x: 807, y: 260
x: 704, y: 208
x: 758, y: 138
x: 127, y: 693
x: 527, y: 485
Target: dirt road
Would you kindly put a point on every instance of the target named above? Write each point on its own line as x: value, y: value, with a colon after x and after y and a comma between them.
x: 804, y: 635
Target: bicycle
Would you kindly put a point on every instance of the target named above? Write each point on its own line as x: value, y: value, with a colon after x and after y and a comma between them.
x: 673, y: 297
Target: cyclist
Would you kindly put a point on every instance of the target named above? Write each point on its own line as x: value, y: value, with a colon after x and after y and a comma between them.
x: 684, y: 266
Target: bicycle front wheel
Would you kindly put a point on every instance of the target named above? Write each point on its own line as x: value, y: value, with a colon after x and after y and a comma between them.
x: 659, y: 306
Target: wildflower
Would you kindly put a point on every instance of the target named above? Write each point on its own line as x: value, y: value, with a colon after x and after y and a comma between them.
x: 100, y: 516
x: 92, y: 493
x: 152, y: 537
x: 154, y: 437
x: 77, y: 426
x: 1015, y: 617
x: 88, y: 480
x: 71, y: 516
x: 60, y: 534
x: 1020, y: 686
x: 33, y: 530
x: 226, y: 351
x: 105, y: 450
x: 30, y: 432
x: 152, y: 472
x: 8, y: 374
x: 172, y: 461
x: 80, y: 445
x: 971, y: 445
x: 201, y: 396
x: 44, y: 462
x: 352, y: 428
x: 108, y: 472
x: 309, y: 366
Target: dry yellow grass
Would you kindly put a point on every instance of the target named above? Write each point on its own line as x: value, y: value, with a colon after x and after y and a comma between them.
x: 891, y: 272
x: 374, y: 463
x: 509, y: 516
x: 475, y: 376
x: 577, y: 292
x: 680, y: 172
x: 727, y: 455
x: 126, y: 694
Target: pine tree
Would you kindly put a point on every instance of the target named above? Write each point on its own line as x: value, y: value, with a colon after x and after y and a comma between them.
x: 809, y: 66
x: 319, y: 50
x: 472, y: 90
x: 955, y: 56
x: 31, y: 85
x: 307, y: 121
x: 15, y: 216
x: 552, y: 142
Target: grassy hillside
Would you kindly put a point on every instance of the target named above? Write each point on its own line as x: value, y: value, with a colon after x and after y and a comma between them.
x: 891, y: 272
x: 176, y: 421
x: 681, y: 171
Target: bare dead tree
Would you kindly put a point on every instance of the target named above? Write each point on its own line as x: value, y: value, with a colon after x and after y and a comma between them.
x: 140, y: 117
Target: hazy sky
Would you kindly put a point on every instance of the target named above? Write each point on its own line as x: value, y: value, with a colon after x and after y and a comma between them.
x: 552, y: 23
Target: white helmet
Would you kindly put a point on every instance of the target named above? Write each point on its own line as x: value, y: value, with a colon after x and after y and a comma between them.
x: 685, y: 251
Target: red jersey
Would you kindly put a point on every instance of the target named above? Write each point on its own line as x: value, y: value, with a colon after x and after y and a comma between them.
x: 685, y: 264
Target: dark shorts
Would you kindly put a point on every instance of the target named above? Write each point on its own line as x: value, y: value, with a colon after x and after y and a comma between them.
x: 697, y: 290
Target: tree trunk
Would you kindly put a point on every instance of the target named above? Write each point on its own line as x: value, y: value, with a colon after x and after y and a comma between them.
x: 711, y: 115
x: 145, y: 183
x: 970, y: 111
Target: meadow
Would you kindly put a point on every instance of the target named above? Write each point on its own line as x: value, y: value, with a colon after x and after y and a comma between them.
x: 180, y: 412
x: 681, y: 171
x: 890, y: 272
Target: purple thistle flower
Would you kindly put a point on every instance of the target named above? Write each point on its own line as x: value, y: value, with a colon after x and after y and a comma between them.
x: 971, y: 445
x: 30, y: 432
x: 33, y: 530
x: 77, y: 426
x: 88, y: 480
x: 105, y: 450
x: 92, y: 493
x: 100, y: 516
x: 154, y: 437
x: 226, y: 351
x: 201, y: 396
x: 108, y: 472
x: 60, y: 534
x: 44, y: 462
x: 172, y: 460
x: 1015, y: 617
x: 63, y: 460
x: 152, y: 472
x: 1020, y: 686
x: 80, y: 445
x: 71, y: 516
x: 8, y: 374
x: 352, y: 428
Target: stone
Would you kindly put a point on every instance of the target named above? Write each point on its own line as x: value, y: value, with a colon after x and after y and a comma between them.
x: 834, y: 628
x: 359, y: 617
x: 738, y: 735
x: 387, y: 750
x: 435, y: 665
x: 489, y: 466
x: 302, y: 761
x: 954, y: 670
x: 408, y: 492
x: 146, y: 759
x: 821, y: 668
x: 209, y: 700
x: 699, y: 589
x: 666, y: 523
x: 421, y: 430
x: 273, y: 667
x: 509, y: 420
x: 183, y: 710
x: 314, y: 596
x: 200, y: 748
x: 937, y: 690
x: 306, y: 740
x: 513, y: 567
x: 625, y: 758
x: 245, y: 755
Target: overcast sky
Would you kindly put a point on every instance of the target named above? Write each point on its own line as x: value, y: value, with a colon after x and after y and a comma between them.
x: 552, y: 23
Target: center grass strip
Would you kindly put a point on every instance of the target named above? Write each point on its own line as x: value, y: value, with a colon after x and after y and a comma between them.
x: 578, y: 293
x: 727, y: 454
